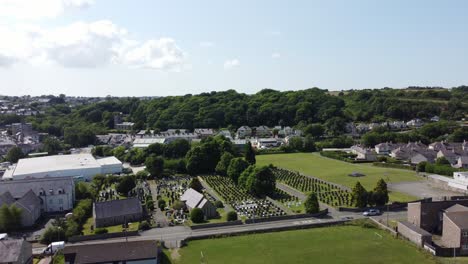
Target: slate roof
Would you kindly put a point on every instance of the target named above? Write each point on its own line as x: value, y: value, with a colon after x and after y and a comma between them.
x: 117, y: 208
x: 191, y: 198
x: 119, y: 251
x: 29, y: 201
x: 456, y: 208
x: 18, y: 188
x: 459, y: 218
x: 6, y: 198
x: 10, y: 250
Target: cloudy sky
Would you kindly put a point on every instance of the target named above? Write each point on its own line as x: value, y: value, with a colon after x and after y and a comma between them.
x: 139, y: 47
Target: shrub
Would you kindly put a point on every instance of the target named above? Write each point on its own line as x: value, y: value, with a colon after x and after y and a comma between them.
x: 101, y: 230
x: 178, y: 205
x: 161, y: 204
x: 196, y: 215
x: 219, y: 204
x: 232, y: 216
x: 53, y: 234
x: 144, y: 225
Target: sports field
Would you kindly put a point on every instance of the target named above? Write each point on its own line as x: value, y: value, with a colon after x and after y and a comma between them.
x: 342, y: 244
x: 337, y: 171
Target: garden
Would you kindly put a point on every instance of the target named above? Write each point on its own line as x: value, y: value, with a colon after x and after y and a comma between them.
x: 326, y: 192
x: 243, y: 203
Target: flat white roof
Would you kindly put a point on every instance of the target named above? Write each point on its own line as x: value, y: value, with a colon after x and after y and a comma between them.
x: 109, y: 161
x: 55, y: 163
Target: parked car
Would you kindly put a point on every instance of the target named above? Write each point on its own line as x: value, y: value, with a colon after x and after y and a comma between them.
x: 54, y: 247
x: 371, y: 212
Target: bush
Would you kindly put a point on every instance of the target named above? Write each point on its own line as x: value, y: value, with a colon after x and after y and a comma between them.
x: 219, y: 204
x: 196, y: 215
x: 53, y: 234
x: 178, y: 205
x: 161, y: 204
x: 232, y: 216
x: 99, y: 231
x: 144, y: 225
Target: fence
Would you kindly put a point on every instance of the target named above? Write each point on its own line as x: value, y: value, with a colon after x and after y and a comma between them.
x: 230, y: 223
x: 74, y: 239
x: 286, y: 217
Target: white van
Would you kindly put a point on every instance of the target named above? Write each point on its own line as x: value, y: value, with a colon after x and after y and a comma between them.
x: 54, y: 247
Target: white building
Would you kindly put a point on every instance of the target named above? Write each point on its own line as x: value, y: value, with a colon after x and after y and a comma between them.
x: 56, y: 194
x: 75, y: 165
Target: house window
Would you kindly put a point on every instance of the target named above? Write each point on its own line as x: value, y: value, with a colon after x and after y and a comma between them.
x: 51, y: 201
x: 465, y: 246
x: 60, y: 201
x: 465, y: 233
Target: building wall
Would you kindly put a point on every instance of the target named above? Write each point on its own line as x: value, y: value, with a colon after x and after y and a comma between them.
x: 413, y: 236
x: 451, y: 234
x: 87, y: 173
x: 57, y: 202
x: 117, y: 220
x: 209, y: 210
x: 428, y: 216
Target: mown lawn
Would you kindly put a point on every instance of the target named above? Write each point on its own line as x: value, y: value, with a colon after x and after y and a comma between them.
x: 343, y: 244
x: 110, y: 229
x: 337, y: 171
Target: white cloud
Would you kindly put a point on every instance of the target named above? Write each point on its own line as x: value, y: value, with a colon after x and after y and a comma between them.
x: 207, y: 44
x: 87, y: 45
x: 159, y: 54
x: 275, y: 55
x: 38, y: 9
x: 229, y: 64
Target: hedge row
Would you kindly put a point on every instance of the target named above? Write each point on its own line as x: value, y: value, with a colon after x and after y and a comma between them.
x: 393, y: 165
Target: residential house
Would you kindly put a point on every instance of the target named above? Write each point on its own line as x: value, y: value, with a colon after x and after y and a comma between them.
x: 419, y: 156
x: 204, y: 132
x: 244, y: 131
x: 264, y: 143
x: 462, y: 162
x: 262, y: 131
x: 363, y: 153
x: 415, y: 123
x: 29, y: 204
x: 56, y: 194
x: 194, y: 199
x: 124, y: 126
x: 15, y: 251
x: 130, y: 252
x: 226, y: 133
x: 435, y: 119
x: 117, y: 212
x: 455, y: 228
x: 385, y: 148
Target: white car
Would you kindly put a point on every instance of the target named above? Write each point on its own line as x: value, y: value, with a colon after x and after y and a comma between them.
x: 54, y: 247
x: 371, y: 212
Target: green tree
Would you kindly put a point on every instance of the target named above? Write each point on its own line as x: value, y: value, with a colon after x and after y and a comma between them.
x: 442, y: 161
x: 223, y: 163
x: 359, y: 195
x: 314, y: 130
x: 380, y: 193
x: 126, y: 185
x: 309, y: 144
x: 421, y: 167
x: 53, y: 234
x: 10, y: 218
x: 250, y: 154
x: 14, y: 154
x: 83, y: 191
x: 296, y: 143
x: 161, y: 204
x: 311, y: 204
x: 155, y: 166
x: 197, y: 216
x: 196, y: 185
x: 231, y: 216
x: 235, y: 168
x: 261, y: 181
x: 51, y: 145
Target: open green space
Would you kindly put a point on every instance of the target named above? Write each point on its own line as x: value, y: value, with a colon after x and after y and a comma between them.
x: 111, y: 229
x: 342, y: 244
x: 337, y: 171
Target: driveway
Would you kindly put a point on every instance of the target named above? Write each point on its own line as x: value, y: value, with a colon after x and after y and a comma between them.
x: 420, y: 189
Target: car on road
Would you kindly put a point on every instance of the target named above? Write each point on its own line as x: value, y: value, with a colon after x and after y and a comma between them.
x: 371, y: 212
x: 54, y: 247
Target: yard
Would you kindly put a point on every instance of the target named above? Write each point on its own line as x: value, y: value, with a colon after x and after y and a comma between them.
x: 337, y: 171
x: 110, y: 229
x: 343, y: 244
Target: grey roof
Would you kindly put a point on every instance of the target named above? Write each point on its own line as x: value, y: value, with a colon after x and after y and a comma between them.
x: 456, y: 208
x: 18, y: 188
x: 459, y: 218
x: 29, y: 201
x: 415, y: 228
x: 6, y: 198
x: 191, y: 198
x: 117, y: 251
x: 117, y: 208
x: 10, y: 250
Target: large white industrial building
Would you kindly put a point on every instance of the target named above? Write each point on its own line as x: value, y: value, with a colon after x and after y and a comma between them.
x: 75, y: 165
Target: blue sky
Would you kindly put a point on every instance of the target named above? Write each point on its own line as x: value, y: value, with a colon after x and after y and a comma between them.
x: 134, y: 48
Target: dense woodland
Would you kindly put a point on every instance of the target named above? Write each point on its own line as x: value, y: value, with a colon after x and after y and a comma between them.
x: 230, y: 109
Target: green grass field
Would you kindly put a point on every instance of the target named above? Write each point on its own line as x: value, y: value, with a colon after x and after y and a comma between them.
x: 110, y: 229
x: 337, y: 171
x: 343, y: 244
